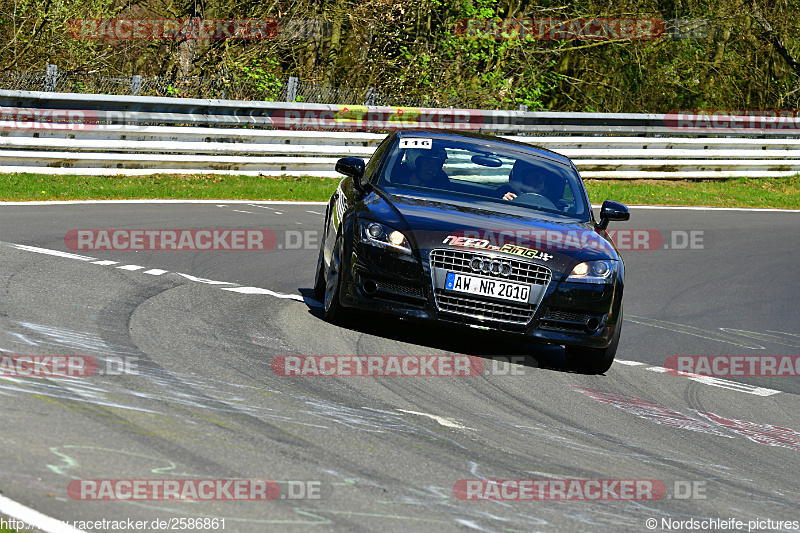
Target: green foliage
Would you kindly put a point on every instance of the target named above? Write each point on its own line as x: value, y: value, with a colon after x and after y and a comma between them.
x: 263, y: 75
x: 413, y: 50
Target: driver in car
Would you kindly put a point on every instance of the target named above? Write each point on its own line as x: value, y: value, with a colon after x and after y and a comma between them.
x: 525, y: 178
x: 426, y: 167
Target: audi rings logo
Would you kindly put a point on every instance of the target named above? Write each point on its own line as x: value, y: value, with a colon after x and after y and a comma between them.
x: 490, y: 266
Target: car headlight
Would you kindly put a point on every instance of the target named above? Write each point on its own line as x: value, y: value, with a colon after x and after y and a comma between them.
x: 383, y: 236
x: 594, y: 271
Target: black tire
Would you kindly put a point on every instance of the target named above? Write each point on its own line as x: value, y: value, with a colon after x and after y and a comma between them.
x: 594, y: 360
x: 319, y: 278
x: 333, y: 310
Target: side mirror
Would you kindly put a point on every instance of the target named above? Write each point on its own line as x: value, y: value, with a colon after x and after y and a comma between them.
x: 352, y: 167
x: 612, y: 210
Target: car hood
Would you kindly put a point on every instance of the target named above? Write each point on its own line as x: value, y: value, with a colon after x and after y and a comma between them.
x: 515, y: 232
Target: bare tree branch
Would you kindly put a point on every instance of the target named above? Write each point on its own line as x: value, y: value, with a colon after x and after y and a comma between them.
x: 775, y: 39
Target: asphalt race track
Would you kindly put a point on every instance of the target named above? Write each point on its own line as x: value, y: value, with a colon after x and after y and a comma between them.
x: 200, y: 401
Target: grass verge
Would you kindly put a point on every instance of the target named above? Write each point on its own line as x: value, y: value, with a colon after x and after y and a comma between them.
x: 739, y: 192
x: 782, y: 193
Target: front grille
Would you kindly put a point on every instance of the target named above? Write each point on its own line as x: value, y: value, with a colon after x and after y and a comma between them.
x: 560, y: 320
x: 401, y: 288
x: 521, y: 272
x: 483, y: 309
x: 479, y: 307
x: 556, y: 314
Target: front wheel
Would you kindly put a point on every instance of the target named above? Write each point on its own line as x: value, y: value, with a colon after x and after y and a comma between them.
x: 594, y: 360
x: 333, y: 310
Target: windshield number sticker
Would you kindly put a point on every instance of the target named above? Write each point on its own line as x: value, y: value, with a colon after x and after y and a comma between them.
x: 425, y: 144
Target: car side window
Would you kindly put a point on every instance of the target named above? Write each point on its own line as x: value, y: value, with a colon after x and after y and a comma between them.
x: 377, y: 157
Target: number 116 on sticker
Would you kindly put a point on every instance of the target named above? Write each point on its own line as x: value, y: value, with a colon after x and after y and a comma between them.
x: 425, y: 144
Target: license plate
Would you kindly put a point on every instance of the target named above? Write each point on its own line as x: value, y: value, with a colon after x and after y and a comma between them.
x: 504, y: 290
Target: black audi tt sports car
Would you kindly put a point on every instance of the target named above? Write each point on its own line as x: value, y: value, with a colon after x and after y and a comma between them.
x: 476, y: 230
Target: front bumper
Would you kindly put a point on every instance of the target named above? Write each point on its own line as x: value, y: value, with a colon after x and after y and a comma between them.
x: 383, y: 281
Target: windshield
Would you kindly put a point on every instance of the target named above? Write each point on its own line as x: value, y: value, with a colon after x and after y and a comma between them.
x: 485, y: 170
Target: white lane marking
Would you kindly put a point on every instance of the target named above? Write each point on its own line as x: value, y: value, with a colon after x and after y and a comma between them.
x: 691, y: 330
x: 34, y: 518
x: 157, y: 272
x: 471, y: 524
x: 734, y: 385
x: 763, y: 336
x: 21, y: 337
x: 314, y: 213
x: 718, y: 382
x: 240, y: 211
x: 145, y: 201
x: 278, y: 213
x: 259, y: 290
x: 446, y: 422
x: 105, y: 263
x: 784, y: 333
x: 51, y: 252
x: 708, y: 380
x: 262, y: 207
x: 204, y: 280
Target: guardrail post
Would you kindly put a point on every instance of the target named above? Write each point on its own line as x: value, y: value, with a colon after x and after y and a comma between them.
x: 291, y: 89
x: 523, y: 108
x: 221, y: 80
x: 370, y: 99
x: 50, y: 80
x: 136, y: 84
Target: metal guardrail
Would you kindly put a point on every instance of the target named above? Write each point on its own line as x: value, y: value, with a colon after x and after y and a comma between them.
x: 103, y: 134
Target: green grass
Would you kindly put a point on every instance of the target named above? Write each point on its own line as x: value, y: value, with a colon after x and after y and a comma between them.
x: 23, y: 187
x: 783, y: 193
x: 739, y: 192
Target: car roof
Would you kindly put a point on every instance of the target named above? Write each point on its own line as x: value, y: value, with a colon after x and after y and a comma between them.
x: 493, y: 139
